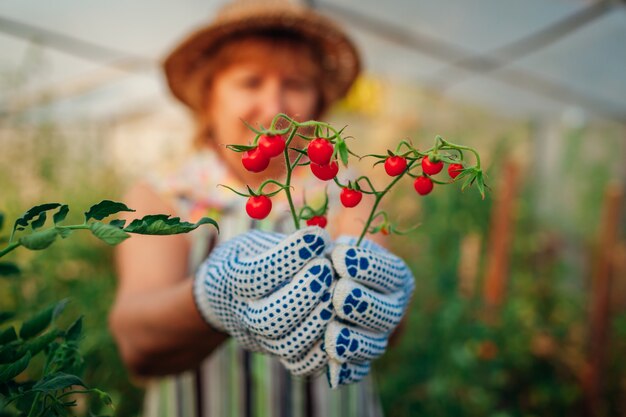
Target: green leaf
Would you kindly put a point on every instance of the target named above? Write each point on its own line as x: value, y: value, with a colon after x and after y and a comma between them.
x: 10, y: 371
x: 118, y: 223
x: 32, y: 213
x: 57, y: 381
x: 105, y: 208
x: 60, y: 215
x: 468, y: 181
x: 480, y: 184
x: 240, y: 148
x: 8, y: 268
x: 104, y: 397
x: 8, y: 335
x: 1, y: 221
x: 342, y: 150
x: 63, y: 232
x: 41, y: 320
x: 39, y: 240
x: 12, y: 351
x: 109, y: 234
x: 39, y: 343
x: 6, y: 316
x: 74, y: 331
x: 39, y: 221
x: 163, y: 224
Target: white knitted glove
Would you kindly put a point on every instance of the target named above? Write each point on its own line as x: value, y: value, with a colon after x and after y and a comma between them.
x: 269, y: 291
x: 369, y: 299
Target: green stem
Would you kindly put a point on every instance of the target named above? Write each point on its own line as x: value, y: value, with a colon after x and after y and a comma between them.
x: 467, y: 148
x: 9, y: 248
x: 292, y: 207
x: 379, y: 196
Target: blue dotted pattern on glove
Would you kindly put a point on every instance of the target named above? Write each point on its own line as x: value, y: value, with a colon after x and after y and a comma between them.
x: 370, y: 298
x: 268, y: 291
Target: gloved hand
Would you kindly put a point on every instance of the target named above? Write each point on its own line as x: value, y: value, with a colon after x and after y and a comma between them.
x: 370, y: 298
x: 271, y: 292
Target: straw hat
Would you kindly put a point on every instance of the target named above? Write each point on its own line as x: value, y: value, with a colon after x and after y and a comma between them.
x: 340, y: 64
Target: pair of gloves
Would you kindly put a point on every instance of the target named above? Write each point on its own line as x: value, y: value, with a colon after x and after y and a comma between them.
x: 282, y: 295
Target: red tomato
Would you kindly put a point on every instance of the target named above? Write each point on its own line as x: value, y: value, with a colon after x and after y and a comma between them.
x: 254, y: 160
x: 320, y: 151
x: 454, y: 170
x: 350, y: 198
x: 258, y: 207
x: 272, y: 145
x: 317, y: 221
x: 395, y: 165
x: 431, y: 168
x: 423, y: 185
x: 325, y: 172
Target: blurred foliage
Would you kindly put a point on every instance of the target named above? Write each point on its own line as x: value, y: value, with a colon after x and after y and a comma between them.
x: 81, y: 268
x: 459, y: 357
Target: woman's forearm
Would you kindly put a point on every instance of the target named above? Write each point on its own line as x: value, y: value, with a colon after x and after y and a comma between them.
x: 162, y: 332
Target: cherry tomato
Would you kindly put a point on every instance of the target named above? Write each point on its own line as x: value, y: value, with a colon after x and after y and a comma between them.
x: 395, y: 165
x: 454, y: 170
x: 272, y: 145
x: 320, y: 151
x: 254, y: 160
x: 259, y: 206
x: 431, y: 168
x: 317, y: 221
x: 350, y: 198
x: 423, y: 185
x: 325, y: 172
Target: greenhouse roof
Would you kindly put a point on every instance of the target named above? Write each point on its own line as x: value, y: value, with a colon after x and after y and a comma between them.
x: 531, y: 58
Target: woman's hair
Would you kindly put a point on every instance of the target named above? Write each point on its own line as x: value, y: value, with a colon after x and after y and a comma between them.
x: 300, y: 54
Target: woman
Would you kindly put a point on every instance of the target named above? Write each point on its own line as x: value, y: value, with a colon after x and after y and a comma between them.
x: 252, y: 62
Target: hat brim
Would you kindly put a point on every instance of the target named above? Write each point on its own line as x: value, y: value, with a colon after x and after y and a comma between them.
x: 340, y: 64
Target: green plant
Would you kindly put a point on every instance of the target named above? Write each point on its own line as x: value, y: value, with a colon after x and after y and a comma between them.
x: 327, y: 147
x: 57, y: 386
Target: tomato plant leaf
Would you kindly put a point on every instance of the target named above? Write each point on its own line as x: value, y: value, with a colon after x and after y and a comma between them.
x: 63, y: 232
x: 8, y: 335
x: 104, y: 397
x: 1, y: 221
x: 57, y: 381
x: 109, y: 234
x: 480, y: 184
x: 37, y: 344
x: 32, y: 213
x: 12, y: 351
x: 8, y: 268
x: 163, y: 224
x: 104, y: 209
x: 41, y: 320
x: 37, y: 324
x: 60, y: 215
x: 240, y: 148
x: 6, y: 316
x: 75, y: 329
x: 10, y: 371
x: 119, y: 223
x: 342, y: 150
x: 39, y: 221
x: 39, y: 240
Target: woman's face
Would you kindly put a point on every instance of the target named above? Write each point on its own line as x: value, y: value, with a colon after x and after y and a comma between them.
x: 255, y: 91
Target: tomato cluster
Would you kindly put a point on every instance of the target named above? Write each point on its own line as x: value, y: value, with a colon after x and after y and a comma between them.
x: 396, y: 165
x: 258, y: 159
x: 320, y: 152
x: 325, y: 148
